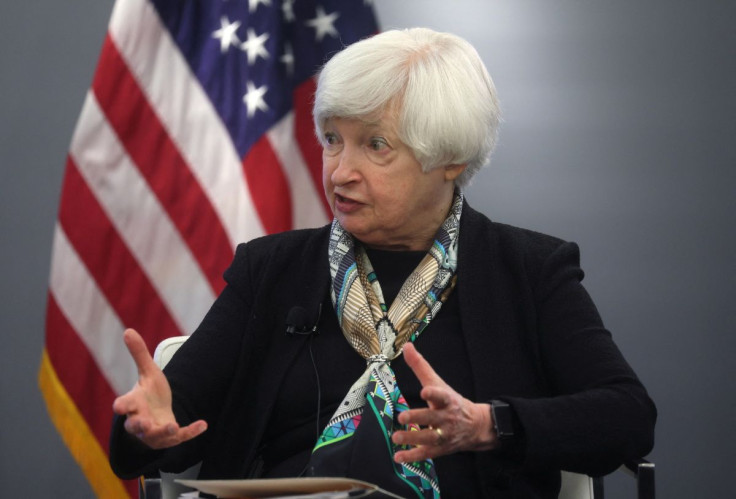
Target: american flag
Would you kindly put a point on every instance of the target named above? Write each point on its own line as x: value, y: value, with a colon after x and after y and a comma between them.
x: 195, y: 135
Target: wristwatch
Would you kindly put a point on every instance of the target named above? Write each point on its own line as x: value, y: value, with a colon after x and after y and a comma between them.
x: 503, y: 420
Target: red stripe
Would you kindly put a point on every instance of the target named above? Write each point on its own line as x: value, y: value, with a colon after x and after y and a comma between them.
x: 82, y: 379
x: 160, y: 162
x: 78, y: 372
x: 109, y: 261
x: 268, y: 187
x: 304, y: 131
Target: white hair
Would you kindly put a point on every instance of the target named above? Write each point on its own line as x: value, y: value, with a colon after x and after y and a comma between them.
x: 446, y: 106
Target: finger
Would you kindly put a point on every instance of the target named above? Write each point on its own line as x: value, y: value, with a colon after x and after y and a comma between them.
x: 425, y: 437
x: 138, y: 426
x: 436, y: 397
x: 171, y: 434
x: 420, y: 416
x: 416, y: 454
x: 139, y: 351
x: 156, y: 437
x: 192, y: 430
x: 421, y: 368
x: 124, y: 404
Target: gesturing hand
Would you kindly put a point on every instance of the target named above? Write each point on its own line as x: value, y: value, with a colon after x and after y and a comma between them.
x: 147, y: 406
x: 452, y: 423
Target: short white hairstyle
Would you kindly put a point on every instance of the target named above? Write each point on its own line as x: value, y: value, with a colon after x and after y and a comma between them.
x: 445, y: 101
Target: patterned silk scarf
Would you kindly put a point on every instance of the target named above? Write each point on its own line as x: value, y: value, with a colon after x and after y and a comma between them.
x: 357, y: 440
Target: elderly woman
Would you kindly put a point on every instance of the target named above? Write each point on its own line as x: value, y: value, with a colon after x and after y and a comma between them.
x: 517, y: 377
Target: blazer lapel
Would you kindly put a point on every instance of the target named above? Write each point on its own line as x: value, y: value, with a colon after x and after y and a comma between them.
x: 477, y: 262
x: 309, y: 291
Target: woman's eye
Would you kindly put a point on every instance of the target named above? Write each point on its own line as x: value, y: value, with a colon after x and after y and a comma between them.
x: 377, y: 144
x: 330, y: 139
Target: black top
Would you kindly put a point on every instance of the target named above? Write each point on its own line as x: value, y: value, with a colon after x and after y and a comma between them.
x: 530, y: 336
x: 291, y: 431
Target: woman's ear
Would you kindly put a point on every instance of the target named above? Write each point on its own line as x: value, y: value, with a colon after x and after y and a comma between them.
x: 453, y: 171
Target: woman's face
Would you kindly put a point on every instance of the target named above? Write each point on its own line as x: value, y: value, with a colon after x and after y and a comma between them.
x: 377, y: 189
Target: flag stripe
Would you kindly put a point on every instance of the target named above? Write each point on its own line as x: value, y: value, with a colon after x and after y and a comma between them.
x: 81, y: 216
x: 85, y: 383
x: 149, y: 145
x: 89, y: 313
x: 268, y: 187
x: 139, y: 219
x: 304, y: 130
x: 167, y: 79
x: 306, y: 211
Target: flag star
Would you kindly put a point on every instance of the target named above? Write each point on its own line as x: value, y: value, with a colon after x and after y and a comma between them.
x: 227, y: 33
x: 254, y: 46
x: 288, y: 9
x: 288, y: 58
x: 254, y: 99
x: 324, y: 24
x: 253, y: 4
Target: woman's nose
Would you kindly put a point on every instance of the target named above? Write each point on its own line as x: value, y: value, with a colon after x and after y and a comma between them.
x: 346, y: 168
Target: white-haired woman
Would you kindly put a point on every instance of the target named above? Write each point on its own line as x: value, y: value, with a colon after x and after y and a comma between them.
x: 517, y: 378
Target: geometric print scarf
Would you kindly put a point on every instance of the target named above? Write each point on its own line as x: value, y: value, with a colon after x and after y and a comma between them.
x: 357, y: 440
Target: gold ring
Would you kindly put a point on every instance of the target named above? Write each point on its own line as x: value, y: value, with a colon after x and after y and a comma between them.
x: 440, y: 436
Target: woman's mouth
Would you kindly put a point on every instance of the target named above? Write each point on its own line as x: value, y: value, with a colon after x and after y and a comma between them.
x: 346, y: 205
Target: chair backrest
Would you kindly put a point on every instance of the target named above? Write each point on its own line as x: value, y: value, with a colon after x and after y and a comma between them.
x: 166, y: 349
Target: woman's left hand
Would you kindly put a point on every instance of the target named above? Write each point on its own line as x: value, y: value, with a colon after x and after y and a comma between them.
x: 451, y: 423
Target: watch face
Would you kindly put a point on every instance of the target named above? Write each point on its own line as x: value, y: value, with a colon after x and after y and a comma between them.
x: 503, y: 419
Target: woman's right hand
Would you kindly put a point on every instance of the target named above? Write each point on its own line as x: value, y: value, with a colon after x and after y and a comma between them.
x: 147, y: 406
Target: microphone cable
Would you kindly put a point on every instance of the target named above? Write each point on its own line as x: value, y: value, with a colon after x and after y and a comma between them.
x: 319, y: 388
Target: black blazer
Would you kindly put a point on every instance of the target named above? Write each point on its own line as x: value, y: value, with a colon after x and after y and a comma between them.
x: 533, y: 335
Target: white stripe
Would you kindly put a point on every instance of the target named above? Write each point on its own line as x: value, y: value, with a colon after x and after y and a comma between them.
x: 187, y: 113
x: 306, y: 203
x: 137, y: 215
x: 89, y: 313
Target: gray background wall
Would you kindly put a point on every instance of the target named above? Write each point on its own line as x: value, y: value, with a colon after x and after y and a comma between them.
x: 619, y: 133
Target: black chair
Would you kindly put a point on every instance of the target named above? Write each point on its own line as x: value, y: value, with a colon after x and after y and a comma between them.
x: 642, y: 470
